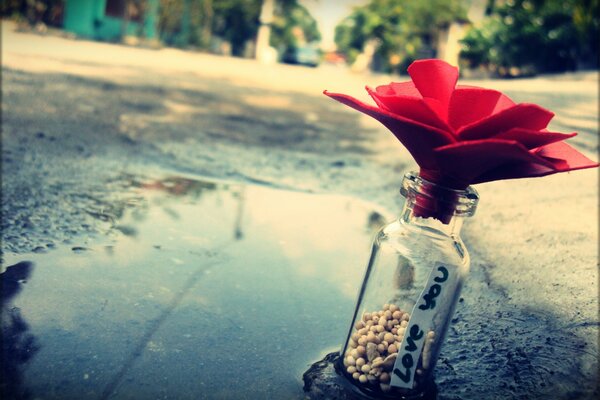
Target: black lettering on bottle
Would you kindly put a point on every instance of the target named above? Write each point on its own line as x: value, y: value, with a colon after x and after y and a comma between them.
x: 405, y: 377
x: 415, y: 334
x: 444, y: 276
x: 434, y: 291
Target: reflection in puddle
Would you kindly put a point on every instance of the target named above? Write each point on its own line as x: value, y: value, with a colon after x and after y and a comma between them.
x: 203, y: 290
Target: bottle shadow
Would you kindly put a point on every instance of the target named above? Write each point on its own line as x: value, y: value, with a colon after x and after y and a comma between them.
x: 18, y: 344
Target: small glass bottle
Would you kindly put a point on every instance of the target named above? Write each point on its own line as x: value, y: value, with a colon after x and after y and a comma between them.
x: 412, y: 283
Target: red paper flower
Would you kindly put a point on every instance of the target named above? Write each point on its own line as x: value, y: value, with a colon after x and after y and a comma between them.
x: 461, y: 135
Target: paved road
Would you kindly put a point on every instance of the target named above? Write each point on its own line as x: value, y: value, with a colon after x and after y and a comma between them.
x: 81, y: 118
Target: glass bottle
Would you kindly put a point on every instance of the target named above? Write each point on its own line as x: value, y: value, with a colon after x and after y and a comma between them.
x: 412, y: 283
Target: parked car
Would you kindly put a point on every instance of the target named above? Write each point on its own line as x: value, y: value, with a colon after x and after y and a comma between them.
x: 304, y: 55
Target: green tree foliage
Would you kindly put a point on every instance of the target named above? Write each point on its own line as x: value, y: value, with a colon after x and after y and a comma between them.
x: 50, y: 12
x: 196, y: 22
x: 236, y: 21
x: 402, y: 31
x: 291, y: 18
x: 532, y: 36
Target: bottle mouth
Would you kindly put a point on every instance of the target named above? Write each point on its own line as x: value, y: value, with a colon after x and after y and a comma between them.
x: 432, y: 200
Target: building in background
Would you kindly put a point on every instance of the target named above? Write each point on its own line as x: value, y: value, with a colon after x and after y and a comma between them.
x: 112, y: 20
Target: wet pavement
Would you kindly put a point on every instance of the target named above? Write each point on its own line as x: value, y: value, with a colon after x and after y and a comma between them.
x: 204, y: 290
x: 193, y: 229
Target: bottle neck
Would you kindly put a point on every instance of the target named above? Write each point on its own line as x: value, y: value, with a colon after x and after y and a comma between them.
x: 434, y: 206
x: 448, y: 224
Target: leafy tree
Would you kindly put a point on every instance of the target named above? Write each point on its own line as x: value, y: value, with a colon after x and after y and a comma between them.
x: 531, y: 36
x: 186, y: 22
x: 402, y: 31
x: 49, y: 12
x: 290, y: 18
x: 236, y: 21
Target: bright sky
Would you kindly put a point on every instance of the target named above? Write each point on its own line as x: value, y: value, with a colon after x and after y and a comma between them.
x: 328, y: 14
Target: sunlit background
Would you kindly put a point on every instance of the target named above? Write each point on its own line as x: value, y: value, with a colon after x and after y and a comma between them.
x: 491, y: 37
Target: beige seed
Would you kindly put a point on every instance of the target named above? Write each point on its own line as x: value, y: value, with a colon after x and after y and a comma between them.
x: 359, y: 324
x: 354, y: 353
x: 395, y: 322
x: 394, y: 308
x: 366, y: 316
x: 405, y: 317
x: 375, y: 319
x: 375, y: 372
x: 356, y: 375
x: 362, y: 379
x: 349, y: 361
x: 387, y: 314
x: 352, y: 344
x: 384, y: 377
x: 351, y: 369
x: 362, y: 341
x: 359, y: 362
x: 404, y: 323
x: 386, y: 307
x: 371, y: 337
x: 362, y: 331
x: 381, y: 347
x: 372, y: 378
x: 397, y: 314
x: 355, y: 336
x: 389, y: 337
x: 381, y: 335
x: 395, y: 331
x: 373, y: 328
x: 361, y: 350
x: 392, y: 348
x: 372, y: 352
x: 431, y: 335
x: 365, y: 368
x: 380, y: 313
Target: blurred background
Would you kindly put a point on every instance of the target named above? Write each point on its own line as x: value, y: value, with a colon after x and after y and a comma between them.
x: 485, y: 37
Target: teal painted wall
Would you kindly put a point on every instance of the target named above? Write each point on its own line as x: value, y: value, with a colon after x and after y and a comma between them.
x: 86, y: 18
x: 151, y: 21
x: 80, y: 15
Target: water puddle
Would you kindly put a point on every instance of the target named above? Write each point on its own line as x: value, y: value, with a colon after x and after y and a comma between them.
x: 203, y: 290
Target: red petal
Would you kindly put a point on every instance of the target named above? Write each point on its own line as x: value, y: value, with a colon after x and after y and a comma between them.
x: 470, y: 104
x: 515, y: 171
x: 532, y: 139
x: 410, y: 107
x: 419, y: 139
x: 560, y: 155
x: 528, y: 116
x: 385, y: 90
x: 405, y: 88
x: 435, y: 79
x: 564, y: 157
x: 465, y: 161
